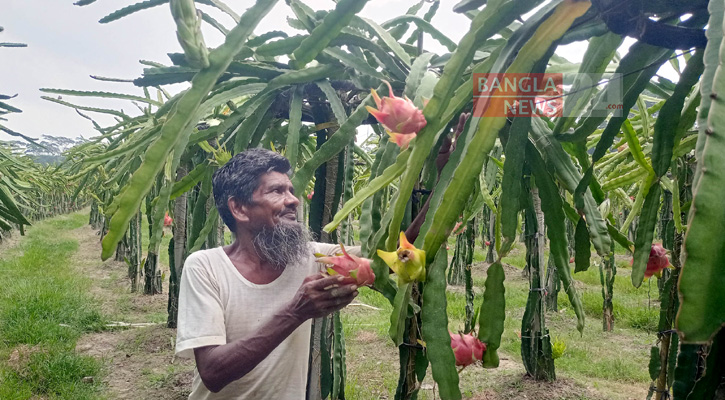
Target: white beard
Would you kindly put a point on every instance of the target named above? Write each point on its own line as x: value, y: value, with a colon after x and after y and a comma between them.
x: 282, y: 245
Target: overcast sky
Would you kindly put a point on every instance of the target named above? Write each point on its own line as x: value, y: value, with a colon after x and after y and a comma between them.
x: 66, y: 45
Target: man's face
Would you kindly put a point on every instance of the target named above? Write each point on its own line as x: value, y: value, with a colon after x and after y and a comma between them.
x: 272, y: 219
x: 273, y: 202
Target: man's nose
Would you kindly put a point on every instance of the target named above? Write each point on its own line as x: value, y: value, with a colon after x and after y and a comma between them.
x: 291, y: 200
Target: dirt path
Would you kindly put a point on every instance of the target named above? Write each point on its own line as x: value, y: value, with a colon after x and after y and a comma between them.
x: 139, y: 360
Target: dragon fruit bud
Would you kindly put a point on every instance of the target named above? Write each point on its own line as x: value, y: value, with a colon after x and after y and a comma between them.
x: 408, y: 262
x: 309, y: 195
x: 347, y: 264
x: 400, y: 117
x: 466, y: 348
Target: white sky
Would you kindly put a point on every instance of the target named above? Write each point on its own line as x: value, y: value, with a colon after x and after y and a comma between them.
x: 66, y: 44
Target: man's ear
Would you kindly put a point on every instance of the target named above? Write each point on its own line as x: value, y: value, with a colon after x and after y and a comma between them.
x: 238, y: 210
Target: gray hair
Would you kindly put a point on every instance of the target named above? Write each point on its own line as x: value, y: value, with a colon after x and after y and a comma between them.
x: 240, y: 177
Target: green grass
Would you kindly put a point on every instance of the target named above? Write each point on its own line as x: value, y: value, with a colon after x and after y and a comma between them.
x: 163, y: 246
x: 378, y: 321
x: 43, y: 311
x: 636, y: 308
x: 56, y: 371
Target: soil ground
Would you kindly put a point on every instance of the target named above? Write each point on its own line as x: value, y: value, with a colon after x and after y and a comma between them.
x: 139, y: 360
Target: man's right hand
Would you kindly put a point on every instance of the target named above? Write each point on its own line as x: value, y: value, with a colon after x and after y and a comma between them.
x: 321, y: 295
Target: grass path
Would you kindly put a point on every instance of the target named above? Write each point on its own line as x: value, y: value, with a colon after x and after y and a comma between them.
x: 44, y: 309
x: 59, y: 298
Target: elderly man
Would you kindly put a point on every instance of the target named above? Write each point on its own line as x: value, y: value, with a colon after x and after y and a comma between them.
x: 245, y: 309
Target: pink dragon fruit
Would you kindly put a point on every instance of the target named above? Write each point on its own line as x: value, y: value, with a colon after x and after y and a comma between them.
x: 347, y: 264
x: 467, y: 348
x: 400, y: 117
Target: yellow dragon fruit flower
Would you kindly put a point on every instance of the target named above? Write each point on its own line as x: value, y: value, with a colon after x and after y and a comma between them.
x: 407, y: 262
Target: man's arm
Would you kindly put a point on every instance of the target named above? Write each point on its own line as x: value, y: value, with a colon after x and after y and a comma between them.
x: 318, y: 296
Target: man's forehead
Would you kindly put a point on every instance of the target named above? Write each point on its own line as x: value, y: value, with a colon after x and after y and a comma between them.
x: 274, y: 178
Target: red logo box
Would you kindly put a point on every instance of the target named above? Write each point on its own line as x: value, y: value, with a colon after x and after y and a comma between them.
x: 518, y: 95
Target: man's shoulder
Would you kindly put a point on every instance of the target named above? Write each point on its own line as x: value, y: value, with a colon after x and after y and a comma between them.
x: 330, y: 249
x: 315, y: 246
x: 203, y: 258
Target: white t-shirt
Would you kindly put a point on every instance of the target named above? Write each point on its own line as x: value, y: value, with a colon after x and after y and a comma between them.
x: 217, y: 305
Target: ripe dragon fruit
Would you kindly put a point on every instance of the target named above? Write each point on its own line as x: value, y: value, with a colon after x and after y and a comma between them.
x: 400, y: 117
x: 657, y: 261
x: 168, y: 221
x: 467, y: 348
x: 347, y: 264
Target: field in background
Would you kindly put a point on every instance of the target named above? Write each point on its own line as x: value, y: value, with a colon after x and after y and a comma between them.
x: 61, y: 305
